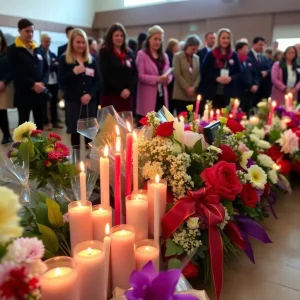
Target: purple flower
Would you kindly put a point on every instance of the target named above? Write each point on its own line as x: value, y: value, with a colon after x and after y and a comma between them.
x: 280, y: 110
x: 203, y: 123
x: 259, y: 193
x: 148, y: 284
x: 250, y: 163
x: 16, y: 145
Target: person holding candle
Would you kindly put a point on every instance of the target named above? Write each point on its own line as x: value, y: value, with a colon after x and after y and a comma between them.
x: 220, y: 70
x: 286, y: 76
x: 152, y: 64
x: 187, y: 74
x: 118, y: 70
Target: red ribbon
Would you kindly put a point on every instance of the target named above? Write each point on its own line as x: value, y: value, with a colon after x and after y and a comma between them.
x: 234, y: 234
x: 205, y: 202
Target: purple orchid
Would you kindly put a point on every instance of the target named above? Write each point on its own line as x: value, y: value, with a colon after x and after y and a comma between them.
x: 250, y: 163
x: 148, y: 284
x: 203, y: 123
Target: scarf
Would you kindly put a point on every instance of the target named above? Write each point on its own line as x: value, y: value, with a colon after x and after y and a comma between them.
x: 221, y: 58
x: 19, y: 43
x: 159, y: 64
x: 243, y: 58
x: 121, y: 56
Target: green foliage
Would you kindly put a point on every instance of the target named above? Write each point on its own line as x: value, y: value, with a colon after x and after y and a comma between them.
x: 229, y: 206
x: 54, y: 214
x: 49, y: 238
x: 173, y: 249
x: 198, y: 147
x: 174, y: 263
x: 274, y: 135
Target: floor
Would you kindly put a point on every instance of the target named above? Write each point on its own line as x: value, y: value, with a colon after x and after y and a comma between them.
x: 276, y: 274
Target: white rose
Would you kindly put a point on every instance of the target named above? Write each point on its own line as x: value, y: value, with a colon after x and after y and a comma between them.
x: 191, y: 138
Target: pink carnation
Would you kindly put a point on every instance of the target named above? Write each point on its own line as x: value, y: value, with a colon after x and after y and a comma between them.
x: 54, y: 136
x: 60, y: 151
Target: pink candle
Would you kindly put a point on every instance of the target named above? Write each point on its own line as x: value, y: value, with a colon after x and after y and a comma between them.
x: 118, y: 183
x: 104, y: 178
x: 122, y: 255
x: 107, y: 242
x: 82, y: 176
x: 291, y: 97
x: 80, y: 219
x: 135, y: 162
x: 236, y: 104
x: 129, y: 141
x: 197, y: 106
x: 101, y: 215
x: 145, y: 251
x: 211, y: 116
x: 271, y: 113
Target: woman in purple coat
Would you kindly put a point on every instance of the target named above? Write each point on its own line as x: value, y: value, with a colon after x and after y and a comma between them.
x: 152, y: 63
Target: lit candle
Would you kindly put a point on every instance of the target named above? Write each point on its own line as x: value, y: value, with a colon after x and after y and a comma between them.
x: 99, y: 107
x: 291, y: 97
x: 128, y: 176
x: 104, y: 178
x: 271, y: 113
x: 135, y: 162
x: 122, y: 255
x: 269, y: 101
x: 60, y: 281
x: 236, y: 104
x: 137, y: 215
x: 230, y: 116
x: 107, y: 242
x: 218, y: 113
x: 197, y: 106
x: 90, y: 260
x: 118, y: 179
x: 275, y: 167
x: 80, y: 220
x: 82, y: 182
x: 206, y: 114
x: 101, y: 216
x: 211, y: 116
x: 147, y: 250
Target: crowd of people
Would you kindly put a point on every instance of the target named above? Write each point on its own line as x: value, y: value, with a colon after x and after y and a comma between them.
x: 137, y: 76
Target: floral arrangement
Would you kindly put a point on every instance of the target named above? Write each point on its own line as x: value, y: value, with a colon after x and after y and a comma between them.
x: 47, y: 156
x: 215, y: 191
x: 20, y: 258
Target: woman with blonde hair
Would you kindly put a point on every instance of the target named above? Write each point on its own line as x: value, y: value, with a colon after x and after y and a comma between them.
x: 220, y: 70
x: 79, y: 79
x: 152, y: 64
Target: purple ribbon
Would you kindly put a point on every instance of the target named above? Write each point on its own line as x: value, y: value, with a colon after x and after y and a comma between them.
x: 272, y: 200
x: 250, y: 228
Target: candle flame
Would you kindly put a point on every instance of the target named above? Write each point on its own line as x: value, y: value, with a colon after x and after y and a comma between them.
x: 157, y: 178
x: 123, y: 232
x: 218, y: 111
x: 290, y: 95
x: 99, y: 107
x: 206, y: 106
x: 181, y: 118
x: 89, y: 250
x: 147, y: 248
x: 106, y: 151
x: 100, y: 209
x: 212, y: 113
x: 128, y: 126
x: 269, y: 99
x: 57, y: 272
x: 199, y: 98
x: 118, y: 146
x: 81, y: 166
x: 117, y: 130
x: 79, y: 204
x: 276, y: 167
x: 134, y: 136
x: 230, y: 116
x: 107, y: 229
x: 274, y: 103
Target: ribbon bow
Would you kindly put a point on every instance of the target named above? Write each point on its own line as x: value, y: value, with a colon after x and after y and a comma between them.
x: 204, y: 202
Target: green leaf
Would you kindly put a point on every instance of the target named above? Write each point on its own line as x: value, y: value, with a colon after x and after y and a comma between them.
x: 49, y: 238
x: 173, y: 248
x: 48, y: 254
x: 229, y: 206
x: 251, y: 212
x: 2, y: 251
x: 55, y: 216
x: 41, y: 214
x: 197, y: 147
x: 174, y: 263
x: 274, y: 135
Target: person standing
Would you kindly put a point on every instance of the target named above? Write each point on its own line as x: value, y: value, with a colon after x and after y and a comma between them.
x: 79, y: 77
x: 152, y: 64
x: 118, y: 71
x: 6, y: 90
x: 187, y: 74
x: 62, y: 49
x: 262, y: 67
x: 247, y: 82
x: 93, y: 47
x: 220, y: 70
x: 29, y: 73
x: 210, y: 40
x: 286, y: 76
x: 52, y: 85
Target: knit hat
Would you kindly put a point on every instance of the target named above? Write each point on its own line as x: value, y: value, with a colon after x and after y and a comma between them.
x: 192, y: 40
x: 155, y: 29
x: 23, y: 23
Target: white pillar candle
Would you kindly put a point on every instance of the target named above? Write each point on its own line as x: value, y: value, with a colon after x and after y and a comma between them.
x: 82, y: 176
x: 122, y: 255
x: 101, y: 216
x: 104, y: 178
x: 80, y: 219
x: 254, y: 120
x: 206, y: 113
x: 145, y: 251
x: 157, y: 193
x: 107, y: 242
x: 135, y: 162
x: 90, y: 260
x: 60, y: 281
x: 137, y: 215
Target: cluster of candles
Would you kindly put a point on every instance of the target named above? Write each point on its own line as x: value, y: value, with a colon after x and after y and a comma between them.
x: 105, y: 256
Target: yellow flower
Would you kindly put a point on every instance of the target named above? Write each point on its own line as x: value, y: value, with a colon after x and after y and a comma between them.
x: 190, y: 107
x: 223, y: 120
x: 257, y: 177
x: 244, y: 159
x: 9, y: 219
x: 23, y: 130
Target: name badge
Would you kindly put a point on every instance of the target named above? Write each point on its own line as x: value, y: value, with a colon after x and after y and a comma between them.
x: 224, y: 73
x: 128, y: 63
x: 89, y: 72
x: 39, y: 56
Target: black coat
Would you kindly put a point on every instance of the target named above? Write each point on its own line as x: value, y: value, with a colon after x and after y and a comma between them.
x: 62, y: 50
x: 115, y: 75
x: 202, y: 53
x: 5, y: 73
x: 27, y: 69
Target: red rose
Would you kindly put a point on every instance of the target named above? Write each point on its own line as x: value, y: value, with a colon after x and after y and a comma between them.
x: 266, y: 190
x: 234, y: 126
x: 223, y: 178
x: 227, y: 154
x: 274, y: 152
x: 144, y: 121
x: 296, y: 167
x: 164, y: 129
x: 292, y: 124
x: 190, y: 271
x: 285, y: 166
x: 249, y: 196
x: 239, y: 116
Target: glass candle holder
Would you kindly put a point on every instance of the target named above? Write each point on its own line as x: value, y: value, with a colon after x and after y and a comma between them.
x: 122, y: 255
x: 101, y: 216
x: 60, y: 281
x: 137, y: 215
x: 90, y: 259
x: 147, y: 250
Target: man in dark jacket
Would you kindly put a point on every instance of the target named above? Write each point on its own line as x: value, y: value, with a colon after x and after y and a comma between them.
x: 62, y: 49
x: 29, y: 73
x: 210, y: 40
x: 52, y: 85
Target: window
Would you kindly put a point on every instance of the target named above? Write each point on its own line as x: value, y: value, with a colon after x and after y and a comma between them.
x: 128, y: 3
x: 284, y: 43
